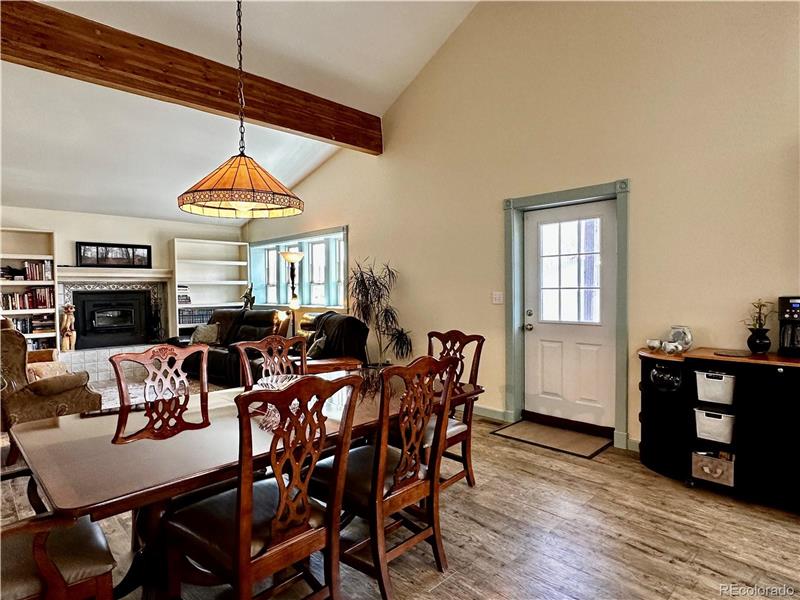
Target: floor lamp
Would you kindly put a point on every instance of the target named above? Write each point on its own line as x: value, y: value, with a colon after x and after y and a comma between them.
x: 294, y: 302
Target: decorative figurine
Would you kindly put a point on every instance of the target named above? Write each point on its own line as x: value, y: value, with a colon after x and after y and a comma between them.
x: 68, y: 335
x: 249, y: 298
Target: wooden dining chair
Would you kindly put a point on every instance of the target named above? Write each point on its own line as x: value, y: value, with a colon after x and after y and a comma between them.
x: 384, y: 482
x: 47, y: 557
x: 165, y: 393
x: 459, y: 431
x: 274, y: 350
x: 271, y: 526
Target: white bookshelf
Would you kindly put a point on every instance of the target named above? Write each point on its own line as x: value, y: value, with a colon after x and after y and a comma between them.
x: 216, y: 272
x: 18, y: 246
x: 26, y: 282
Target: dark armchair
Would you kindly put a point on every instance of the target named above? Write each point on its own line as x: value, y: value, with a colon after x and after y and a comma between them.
x: 341, y: 341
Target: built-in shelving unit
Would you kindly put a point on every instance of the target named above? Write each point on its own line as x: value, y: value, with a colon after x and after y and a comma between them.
x: 33, y: 251
x: 212, y: 273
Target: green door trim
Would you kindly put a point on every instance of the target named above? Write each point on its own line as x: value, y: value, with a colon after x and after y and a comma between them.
x: 514, y: 209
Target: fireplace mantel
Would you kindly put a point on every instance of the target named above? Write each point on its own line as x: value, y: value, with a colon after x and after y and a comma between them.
x: 112, y: 274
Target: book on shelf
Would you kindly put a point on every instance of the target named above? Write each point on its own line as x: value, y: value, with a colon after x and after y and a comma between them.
x: 32, y: 298
x: 41, y: 270
x: 194, y: 316
x: 184, y: 296
x: 37, y: 324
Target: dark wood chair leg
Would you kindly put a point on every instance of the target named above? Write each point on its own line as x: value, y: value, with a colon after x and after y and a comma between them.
x: 34, y: 498
x: 331, y: 568
x: 174, y: 570
x: 436, y: 538
x: 104, y: 587
x: 466, y: 454
x: 381, y: 563
x: 466, y: 445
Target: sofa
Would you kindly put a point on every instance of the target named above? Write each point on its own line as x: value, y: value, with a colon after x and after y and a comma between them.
x: 235, y: 325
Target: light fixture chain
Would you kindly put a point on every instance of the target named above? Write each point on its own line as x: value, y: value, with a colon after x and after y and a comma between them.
x: 241, y: 73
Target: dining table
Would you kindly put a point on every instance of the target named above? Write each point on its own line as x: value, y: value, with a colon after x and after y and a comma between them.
x: 79, y: 472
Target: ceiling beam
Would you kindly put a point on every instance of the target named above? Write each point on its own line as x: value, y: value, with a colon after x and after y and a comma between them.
x: 46, y: 38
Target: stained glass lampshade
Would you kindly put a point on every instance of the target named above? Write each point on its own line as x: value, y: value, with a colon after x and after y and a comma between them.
x: 240, y: 188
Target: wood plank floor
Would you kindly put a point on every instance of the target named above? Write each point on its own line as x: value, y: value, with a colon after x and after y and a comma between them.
x: 545, y: 525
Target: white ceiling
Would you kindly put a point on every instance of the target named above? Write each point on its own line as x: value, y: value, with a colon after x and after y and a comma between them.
x: 70, y: 145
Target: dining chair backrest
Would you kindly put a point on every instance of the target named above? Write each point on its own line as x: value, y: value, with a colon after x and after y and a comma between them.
x: 296, y: 417
x: 274, y: 350
x: 422, y: 388
x: 458, y: 344
x: 166, y: 393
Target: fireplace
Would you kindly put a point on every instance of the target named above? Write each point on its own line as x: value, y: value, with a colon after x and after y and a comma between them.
x: 112, y: 318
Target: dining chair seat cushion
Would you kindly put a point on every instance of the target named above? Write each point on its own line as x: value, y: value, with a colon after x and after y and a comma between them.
x: 454, y: 427
x: 206, y: 530
x: 358, y: 484
x: 80, y: 552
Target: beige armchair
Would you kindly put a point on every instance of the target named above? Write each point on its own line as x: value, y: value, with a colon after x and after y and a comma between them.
x: 24, y: 399
x: 41, y: 363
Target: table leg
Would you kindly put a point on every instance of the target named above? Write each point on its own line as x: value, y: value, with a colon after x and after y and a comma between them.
x: 147, y: 570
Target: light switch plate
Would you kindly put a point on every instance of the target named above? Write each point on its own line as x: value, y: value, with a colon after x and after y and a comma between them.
x: 498, y: 298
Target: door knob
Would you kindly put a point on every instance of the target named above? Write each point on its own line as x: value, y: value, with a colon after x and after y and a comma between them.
x: 528, y: 327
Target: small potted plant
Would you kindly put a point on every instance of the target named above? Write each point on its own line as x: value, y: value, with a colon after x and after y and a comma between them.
x: 759, y: 341
x: 371, y: 291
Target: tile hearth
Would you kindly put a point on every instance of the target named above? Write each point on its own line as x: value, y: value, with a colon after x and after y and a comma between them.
x: 95, y: 361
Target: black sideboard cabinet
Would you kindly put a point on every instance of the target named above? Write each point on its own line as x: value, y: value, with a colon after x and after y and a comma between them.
x: 762, y: 460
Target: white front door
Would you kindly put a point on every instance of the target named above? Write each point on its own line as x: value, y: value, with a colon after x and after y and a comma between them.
x: 570, y: 312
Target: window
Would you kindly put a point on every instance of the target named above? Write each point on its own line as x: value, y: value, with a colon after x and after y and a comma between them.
x: 569, y: 271
x: 321, y: 276
x: 272, y: 276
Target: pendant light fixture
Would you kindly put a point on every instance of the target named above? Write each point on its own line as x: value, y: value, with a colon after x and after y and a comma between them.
x: 240, y: 187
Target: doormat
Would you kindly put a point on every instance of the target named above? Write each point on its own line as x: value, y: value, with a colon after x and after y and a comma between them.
x: 562, y: 440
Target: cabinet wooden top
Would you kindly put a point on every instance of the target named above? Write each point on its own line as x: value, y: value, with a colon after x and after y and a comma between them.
x: 770, y: 359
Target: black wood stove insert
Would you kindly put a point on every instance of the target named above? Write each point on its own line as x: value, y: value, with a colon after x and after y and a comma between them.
x: 108, y: 318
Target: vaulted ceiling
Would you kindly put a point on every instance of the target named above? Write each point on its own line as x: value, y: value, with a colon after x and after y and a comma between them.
x: 71, y: 145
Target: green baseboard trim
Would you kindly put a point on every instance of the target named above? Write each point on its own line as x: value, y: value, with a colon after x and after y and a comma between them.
x: 496, y: 414
x: 621, y: 439
x: 633, y: 445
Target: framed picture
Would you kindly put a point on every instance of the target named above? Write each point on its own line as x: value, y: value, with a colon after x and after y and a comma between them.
x: 128, y: 256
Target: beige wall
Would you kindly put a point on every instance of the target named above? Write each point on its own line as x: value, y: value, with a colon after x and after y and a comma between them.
x: 71, y: 227
x: 696, y: 103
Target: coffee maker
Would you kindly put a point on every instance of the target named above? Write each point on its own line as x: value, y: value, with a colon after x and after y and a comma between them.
x: 789, y: 318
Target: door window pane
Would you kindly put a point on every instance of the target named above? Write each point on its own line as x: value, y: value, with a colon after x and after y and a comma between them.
x: 569, y: 305
x: 590, y: 270
x: 590, y: 306
x: 548, y: 234
x: 569, y: 237
x: 549, y: 307
x: 569, y: 271
x: 550, y: 271
x: 590, y: 235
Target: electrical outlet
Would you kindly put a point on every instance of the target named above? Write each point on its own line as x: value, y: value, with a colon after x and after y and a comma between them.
x: 498, y: 298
